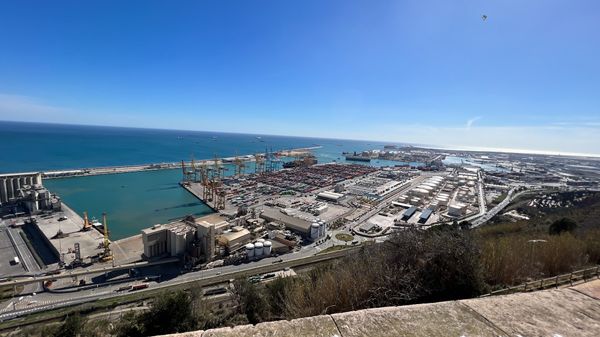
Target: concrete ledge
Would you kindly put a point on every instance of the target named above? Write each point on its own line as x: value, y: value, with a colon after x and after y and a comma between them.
x: 436, y: 319
x: 559, y: 312
x: 317, y: 326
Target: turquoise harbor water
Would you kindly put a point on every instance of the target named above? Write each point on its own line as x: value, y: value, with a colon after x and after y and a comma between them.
x: 133, y: 201
x: 138, y: 200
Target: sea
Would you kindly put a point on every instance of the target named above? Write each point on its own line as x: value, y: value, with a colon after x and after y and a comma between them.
x: 137, y: 200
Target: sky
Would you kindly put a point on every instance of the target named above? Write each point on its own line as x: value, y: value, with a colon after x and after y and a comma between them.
x: 424, y: 71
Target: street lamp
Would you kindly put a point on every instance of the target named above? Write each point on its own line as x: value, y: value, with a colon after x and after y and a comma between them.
x: 533, y: 243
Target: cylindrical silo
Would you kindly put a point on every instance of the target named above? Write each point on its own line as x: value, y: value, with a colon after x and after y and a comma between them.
x: 314, y: 231
x: 267, y: 248
x: 3, y: 191
x: 258, y: 249
x: 321, y: 229
x: 250, y: 250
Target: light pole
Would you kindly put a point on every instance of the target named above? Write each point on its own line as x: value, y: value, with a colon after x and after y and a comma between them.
x: 533, y: 243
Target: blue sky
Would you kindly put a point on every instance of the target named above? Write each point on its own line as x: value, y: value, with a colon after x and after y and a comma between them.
x: 423, y: 71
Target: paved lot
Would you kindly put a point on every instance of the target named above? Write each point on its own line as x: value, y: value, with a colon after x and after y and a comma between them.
x: 7, y: 253
x: 89, y: 241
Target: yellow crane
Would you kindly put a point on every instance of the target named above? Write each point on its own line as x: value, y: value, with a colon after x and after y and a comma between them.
x: 86, y: 222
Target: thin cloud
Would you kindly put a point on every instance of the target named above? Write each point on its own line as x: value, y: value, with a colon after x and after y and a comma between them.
x: 471, y: 121
x: 578, y: 124
x: 17, y: 104
x: 26, y: 108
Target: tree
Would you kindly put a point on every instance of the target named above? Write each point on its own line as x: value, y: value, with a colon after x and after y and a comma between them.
x: 464, y: 225
x: 71, y: 327
x: 170, y: 313
x: 251, y: 300
x: 562, y: 225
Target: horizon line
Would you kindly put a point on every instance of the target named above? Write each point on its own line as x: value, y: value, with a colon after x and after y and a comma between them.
x: 393, y: 142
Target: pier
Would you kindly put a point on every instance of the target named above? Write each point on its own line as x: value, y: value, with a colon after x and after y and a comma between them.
x: 162, y: 166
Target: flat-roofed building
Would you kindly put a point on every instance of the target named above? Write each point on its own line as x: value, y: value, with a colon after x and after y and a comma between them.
x: 234, y: 239
x: 330, y: 196
x: 179, y: 238
x: 297, y: 225
x: 457, y: 209
x: 425, y: 215
x: 409, y: 213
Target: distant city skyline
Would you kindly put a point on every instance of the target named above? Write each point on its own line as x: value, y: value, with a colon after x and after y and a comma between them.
x: 426, y: 72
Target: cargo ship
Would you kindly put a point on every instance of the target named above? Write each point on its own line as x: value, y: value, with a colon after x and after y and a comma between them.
x: 301, y: 162
x: 357, y: 157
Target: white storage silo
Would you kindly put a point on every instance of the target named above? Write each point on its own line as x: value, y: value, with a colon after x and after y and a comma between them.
x: 250, y: 250
x: 258, y: 249
x: 314, y: 231
x: 267, y: 245
x: 321, y: 229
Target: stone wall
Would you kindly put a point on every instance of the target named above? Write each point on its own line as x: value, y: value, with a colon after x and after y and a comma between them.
x: 564, y: 312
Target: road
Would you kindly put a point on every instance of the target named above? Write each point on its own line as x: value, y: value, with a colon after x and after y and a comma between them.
x: 48, y: 301
x: 486, y: 217
x: 83, y: 272
x: 24, y: 253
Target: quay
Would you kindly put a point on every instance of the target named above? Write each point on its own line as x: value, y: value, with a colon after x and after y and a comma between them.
x: 162, y: 166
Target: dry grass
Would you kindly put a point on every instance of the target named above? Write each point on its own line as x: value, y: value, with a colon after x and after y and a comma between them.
x: 514, y: 258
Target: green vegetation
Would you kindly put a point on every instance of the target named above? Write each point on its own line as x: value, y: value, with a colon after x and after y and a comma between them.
x: 344, y: 237
x: 512, y: 253
x: 333, y: 249
x: 171, y: 312
x: 554, y: 241
x: 562, y: 225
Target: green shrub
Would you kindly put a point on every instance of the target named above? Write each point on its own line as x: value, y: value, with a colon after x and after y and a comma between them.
x: 562, y: 225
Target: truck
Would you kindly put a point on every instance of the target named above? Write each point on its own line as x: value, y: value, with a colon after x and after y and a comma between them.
x: 139, y: 286
x: 15, y: 260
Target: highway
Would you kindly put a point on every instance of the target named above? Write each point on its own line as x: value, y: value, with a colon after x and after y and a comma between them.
x: 487, y: 216
x: 74, y: 274
x: 48, y: 301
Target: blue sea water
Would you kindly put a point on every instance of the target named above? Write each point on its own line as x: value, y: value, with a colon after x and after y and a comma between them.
x: 39, y: 147
x: 138, y: 200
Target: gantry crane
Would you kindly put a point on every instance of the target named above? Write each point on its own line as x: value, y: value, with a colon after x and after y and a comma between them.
x: 187, y: 174
x: 239, y: 166
x: 260, y: 163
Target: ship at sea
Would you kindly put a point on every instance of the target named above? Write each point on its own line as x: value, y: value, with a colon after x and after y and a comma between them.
x: 357, y: 157
x: 301, y: 162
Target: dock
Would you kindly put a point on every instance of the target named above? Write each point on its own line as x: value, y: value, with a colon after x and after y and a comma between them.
x: 197, y: 190
x: 92, y: 171
x: 90, y: 242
